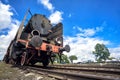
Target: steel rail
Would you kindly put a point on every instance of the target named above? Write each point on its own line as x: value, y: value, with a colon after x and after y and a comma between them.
x: 60, y: 75
x: 93, y: 66
x: 90, y: 69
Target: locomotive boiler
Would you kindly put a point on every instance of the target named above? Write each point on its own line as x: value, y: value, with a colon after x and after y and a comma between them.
x: 37, y: 41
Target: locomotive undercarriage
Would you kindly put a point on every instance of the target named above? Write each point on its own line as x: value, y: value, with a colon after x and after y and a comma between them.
x: 27, y: 56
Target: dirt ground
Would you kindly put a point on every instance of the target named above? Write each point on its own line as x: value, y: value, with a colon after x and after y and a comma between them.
x: 8, y: 72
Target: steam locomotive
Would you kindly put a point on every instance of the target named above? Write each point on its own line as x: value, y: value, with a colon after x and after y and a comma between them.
x: 37, y: 41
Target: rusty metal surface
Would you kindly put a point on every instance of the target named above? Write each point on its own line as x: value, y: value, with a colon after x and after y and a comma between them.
x: 38, y: 22
x: 19, y: 32
x: 57, y: 31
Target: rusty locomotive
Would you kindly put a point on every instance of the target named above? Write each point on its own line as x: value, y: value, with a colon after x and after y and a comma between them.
x: 37, y: 41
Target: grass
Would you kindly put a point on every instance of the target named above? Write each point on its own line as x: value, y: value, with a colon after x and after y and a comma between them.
x: 8, y: 73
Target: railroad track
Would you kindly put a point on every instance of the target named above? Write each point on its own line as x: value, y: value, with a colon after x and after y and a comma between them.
x: 90, y: 65
x: 72, y: 73
x: 91, y: 69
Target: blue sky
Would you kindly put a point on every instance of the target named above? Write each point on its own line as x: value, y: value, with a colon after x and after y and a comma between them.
x: 85, y: 21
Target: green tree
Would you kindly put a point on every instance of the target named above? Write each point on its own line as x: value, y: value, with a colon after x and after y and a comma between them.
x: 64, y: 59
x: 72, y: 57
x: 101, y: 52
x: 57, y: 59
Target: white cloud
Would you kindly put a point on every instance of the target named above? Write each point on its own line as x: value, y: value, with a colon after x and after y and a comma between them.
x: 5, y: 15
x: 2, y: 52
x: 115, y: 52
x: 5, y: 39
x: 47, y: 4
x: 89, y: 31
x: 56, y: 17
x: 9, y: 23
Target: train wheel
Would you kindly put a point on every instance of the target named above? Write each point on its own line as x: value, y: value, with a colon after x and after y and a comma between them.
x: 6, y: 59
x: 32, y: 63
x: 11, y: 61
x: 45, y: 62
x: 23, y: 59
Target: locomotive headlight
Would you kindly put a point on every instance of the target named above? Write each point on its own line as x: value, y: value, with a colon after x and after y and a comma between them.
x: 59, y: 40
